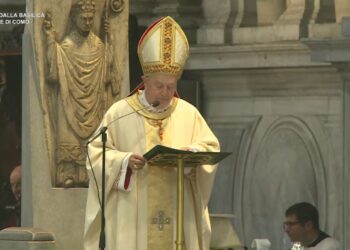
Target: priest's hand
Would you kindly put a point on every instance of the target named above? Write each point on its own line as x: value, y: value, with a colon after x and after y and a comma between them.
x: 188, y: 149
x: 136, y: 162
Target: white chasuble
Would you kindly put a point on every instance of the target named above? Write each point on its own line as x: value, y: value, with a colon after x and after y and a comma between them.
x: 145, y: 217
x: 326, y: 244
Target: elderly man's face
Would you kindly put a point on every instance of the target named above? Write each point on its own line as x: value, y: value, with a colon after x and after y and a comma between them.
x: 160, y: 88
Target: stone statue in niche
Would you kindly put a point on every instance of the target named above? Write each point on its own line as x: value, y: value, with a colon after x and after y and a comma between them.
x: 82, y: 81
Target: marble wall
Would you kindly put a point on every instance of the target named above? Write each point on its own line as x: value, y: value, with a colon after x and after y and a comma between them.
x: 284, y: 127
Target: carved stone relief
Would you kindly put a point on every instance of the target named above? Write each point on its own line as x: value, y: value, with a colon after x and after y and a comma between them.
x: 81, y: 54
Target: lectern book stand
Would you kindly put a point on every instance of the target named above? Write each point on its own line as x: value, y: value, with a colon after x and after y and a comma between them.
x: 170, y: 157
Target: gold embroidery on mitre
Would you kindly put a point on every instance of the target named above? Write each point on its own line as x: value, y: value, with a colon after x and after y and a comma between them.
x: 163, y: 48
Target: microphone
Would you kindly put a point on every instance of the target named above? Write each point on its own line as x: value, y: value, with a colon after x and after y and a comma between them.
x: 104, y: 128
x: 103, y: 134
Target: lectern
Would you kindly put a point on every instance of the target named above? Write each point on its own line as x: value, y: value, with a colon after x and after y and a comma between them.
x: 165, y: 156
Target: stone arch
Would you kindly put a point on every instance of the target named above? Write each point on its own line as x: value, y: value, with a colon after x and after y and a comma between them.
x: 287, y: 151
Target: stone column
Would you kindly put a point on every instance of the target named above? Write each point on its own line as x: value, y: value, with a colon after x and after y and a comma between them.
x: 323, y: 12
x: 269, y: 11
x: 342, y: 9
x: 322, y: 22
x: 295, y: 19
x: 337, y: 51
x: 344, y: 69
x: 216, y: 13
x: 186, y: 12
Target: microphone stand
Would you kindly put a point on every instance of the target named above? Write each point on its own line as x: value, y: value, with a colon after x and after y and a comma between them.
x: 102, y: 243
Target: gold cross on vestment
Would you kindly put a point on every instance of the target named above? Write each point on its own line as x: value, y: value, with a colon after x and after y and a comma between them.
x: 161, y: 220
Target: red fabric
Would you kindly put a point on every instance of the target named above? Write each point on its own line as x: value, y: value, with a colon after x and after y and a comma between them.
x: 127, y: 178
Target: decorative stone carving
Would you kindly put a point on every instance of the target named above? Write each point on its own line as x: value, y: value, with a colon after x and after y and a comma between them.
x: 80, y: 80
x: 117, y: 5
x: 213, y: 29
x: 342, y: 9
x: 269, y: 11
x: 287, y: 23
x: 323, y: 12
x: 296, y: 17
x: 322, y: 22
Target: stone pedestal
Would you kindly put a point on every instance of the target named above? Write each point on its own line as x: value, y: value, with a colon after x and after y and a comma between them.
x: 22, y: 238
x: 223, y: 234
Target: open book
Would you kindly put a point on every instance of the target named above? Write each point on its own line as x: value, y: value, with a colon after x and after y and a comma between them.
x: 165, y: 156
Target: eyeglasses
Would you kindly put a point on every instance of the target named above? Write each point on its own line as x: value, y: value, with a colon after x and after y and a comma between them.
x: 290, y: 224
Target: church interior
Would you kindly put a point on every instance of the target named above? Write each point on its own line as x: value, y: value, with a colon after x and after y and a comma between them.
x: 270, y: 77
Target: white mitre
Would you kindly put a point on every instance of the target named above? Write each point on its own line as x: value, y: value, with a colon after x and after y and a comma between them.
x: 163, y: 48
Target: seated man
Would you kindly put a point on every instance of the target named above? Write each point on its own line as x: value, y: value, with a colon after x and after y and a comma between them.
x: 302, y: 226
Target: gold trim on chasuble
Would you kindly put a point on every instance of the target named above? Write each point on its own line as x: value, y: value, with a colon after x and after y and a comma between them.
x: 161, y: 194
